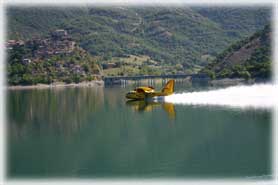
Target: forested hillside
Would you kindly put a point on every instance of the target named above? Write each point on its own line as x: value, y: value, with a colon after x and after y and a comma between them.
x: 248, y: 58
x: 181, y: 39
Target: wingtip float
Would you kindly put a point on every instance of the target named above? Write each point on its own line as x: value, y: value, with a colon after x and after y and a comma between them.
x: 145, y: 92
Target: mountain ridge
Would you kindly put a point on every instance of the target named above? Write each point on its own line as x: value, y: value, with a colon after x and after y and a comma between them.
x: 191, y: 36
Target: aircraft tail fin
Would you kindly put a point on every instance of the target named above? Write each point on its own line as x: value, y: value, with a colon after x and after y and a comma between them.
x: 169, y: 87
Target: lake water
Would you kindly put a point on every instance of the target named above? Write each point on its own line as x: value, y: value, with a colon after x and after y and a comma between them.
x: 95, y: 133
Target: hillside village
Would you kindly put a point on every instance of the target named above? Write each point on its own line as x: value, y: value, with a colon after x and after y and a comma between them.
x: 56, y: 58
x: 59, y: 43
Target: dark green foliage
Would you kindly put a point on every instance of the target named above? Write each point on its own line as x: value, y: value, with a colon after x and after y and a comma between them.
x: 248, y: 18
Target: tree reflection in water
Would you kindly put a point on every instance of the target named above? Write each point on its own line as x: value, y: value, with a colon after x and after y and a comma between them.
x: 62, y: 110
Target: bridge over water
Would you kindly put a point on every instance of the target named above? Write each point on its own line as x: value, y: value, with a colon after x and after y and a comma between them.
x: 112, y: 80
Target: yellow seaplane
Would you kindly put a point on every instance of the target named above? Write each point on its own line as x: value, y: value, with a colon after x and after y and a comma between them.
x: 142, y: 93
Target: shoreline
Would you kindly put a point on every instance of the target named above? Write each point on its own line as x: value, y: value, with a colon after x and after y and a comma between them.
x: 100, y: 83
x: 96, y: 83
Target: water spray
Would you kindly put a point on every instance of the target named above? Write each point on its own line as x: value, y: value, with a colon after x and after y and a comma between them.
x: 254, y: 96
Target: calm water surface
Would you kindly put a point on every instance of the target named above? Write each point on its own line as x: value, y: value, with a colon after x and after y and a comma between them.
x: 95, y: 133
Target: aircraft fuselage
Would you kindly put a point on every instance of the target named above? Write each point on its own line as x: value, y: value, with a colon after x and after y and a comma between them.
x: 141, y: 93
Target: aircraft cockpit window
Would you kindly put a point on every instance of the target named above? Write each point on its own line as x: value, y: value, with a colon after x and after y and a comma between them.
x: 139, y: 90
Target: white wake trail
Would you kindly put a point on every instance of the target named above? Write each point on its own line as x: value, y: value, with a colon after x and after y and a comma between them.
x: 254, y: 96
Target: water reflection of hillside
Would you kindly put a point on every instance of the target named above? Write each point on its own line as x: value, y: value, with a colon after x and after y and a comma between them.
x: 61, y: 110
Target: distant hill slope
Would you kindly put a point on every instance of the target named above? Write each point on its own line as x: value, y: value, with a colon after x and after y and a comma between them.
x: 249, y: 58
x: 170, y: 35
x: 247, y: 19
